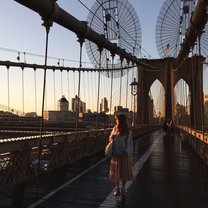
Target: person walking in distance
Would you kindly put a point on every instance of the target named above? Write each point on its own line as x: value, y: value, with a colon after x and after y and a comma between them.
x: 121, y: 160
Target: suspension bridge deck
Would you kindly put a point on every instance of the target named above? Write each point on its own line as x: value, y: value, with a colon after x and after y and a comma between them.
x: 169, y: 174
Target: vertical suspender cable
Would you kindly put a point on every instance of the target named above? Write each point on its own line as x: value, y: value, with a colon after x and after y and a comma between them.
x: 23, y: 93
x: 127, y: 86
x: 111, y: 89
x: 81, y: 41
x: 35, y: 90
x: 68, y: 86
x: 121, y: 81
x: 84, y: 86
x: 88, y: 85
x: 24, y: 57
x: 132, y: 95
x: 182, y: 92
x: 8, y: 89
x: 74, y: 84
x: 92, y: 88
x: 61, y: 82
x: 187, y: 100
x: 47, y: 24
x: 98, y: 90
x: 54, y: 89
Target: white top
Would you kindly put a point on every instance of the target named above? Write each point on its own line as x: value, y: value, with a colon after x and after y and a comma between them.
x: 120, y: 142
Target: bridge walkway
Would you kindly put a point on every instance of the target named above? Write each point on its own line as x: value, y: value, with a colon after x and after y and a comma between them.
x: 168, y: 174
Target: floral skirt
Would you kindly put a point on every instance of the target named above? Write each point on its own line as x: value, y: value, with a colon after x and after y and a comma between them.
x: 121, y: 169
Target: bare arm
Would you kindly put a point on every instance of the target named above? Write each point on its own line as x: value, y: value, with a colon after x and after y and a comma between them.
x: 112, y: 133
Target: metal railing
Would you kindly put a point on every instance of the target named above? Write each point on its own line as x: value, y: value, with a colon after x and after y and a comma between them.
x: 21, y: 158
x: 197, y: 139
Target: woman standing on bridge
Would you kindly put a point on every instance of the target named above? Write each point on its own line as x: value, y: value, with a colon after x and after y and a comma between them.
x: 121, y: 160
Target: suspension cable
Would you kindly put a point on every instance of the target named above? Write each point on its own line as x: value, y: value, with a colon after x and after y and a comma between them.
x: 88, y: 85
x: 127, y: 87
x: 54, y: 90
x: 74, y: 85
x: 81, y: 41
x: 68, y: 88
x: 47, y: 24
x: 38, y: 55
x: 131, y: 94
x: 61, y: 83
x: 98, y: 88
x: 8, y: 88
x: 84, y: 86
x: 35, y: 82
x: 93, y: 87
x: 111, y: 89
x: 121, y: 81
x: 23, y: 93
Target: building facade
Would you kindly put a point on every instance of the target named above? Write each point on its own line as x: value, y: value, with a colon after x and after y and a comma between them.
x: 82, y: 105
x: 104, y: 105
x: 63, y: 104
x: 62, y: 114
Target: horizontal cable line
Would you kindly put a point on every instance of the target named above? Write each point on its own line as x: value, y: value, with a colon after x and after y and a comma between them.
x: 39, y: 55
x: 22, y: 65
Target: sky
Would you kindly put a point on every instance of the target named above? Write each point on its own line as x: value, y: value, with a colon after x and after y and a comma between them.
x: 21, y: 30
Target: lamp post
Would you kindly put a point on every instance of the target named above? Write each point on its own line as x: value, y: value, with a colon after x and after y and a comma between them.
x: 134, y: 92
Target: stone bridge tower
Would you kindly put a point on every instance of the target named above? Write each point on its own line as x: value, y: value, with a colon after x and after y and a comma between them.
x: 190, y: 70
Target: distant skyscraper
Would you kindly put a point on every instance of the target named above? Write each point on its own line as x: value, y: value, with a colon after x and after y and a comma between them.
x: 63, y: 104
x: 104, y: 105
x: 82, y: 105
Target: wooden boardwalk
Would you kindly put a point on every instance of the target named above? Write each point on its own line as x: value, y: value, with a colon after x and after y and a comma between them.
x: 169, y: 175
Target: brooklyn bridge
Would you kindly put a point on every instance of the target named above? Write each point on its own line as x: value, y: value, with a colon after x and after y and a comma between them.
x: 57, y: 113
